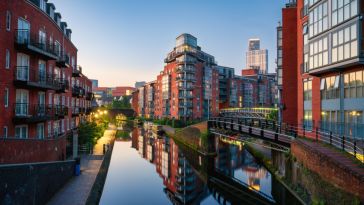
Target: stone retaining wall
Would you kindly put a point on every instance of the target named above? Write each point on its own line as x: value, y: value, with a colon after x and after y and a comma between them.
x: 33, y: 183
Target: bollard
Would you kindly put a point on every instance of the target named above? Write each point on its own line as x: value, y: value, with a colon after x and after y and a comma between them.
x: 104, y: 148
x: 78, y: 166
x: 316, y: 134
x: 343, y: 142
x: 355, y: 149
x: 330, y: 138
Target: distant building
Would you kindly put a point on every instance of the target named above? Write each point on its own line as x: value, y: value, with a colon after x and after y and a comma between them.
x: 256, y: 58
x: 95, y: 83
x: 105, y: 95
x: 139, y: 84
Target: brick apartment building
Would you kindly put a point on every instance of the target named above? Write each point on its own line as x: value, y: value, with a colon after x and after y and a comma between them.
x: 193, y: 86
x: 187, y: 88
x: 44, y: 95
x: 322, y: 65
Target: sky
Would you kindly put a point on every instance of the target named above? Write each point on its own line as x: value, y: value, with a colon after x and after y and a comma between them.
x: 123, y: 41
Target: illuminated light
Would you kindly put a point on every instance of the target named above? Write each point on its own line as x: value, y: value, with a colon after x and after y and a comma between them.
x: 96, y: 115
x: 105, y: 112
x: 323, y: 113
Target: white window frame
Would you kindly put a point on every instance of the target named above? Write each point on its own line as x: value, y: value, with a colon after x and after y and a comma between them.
x: 19, y: 127
x: 5, y: 131
x: 7, y: 59
x: 41, y: 136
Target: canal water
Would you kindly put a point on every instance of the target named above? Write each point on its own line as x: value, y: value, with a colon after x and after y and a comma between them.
x: 151, y: 169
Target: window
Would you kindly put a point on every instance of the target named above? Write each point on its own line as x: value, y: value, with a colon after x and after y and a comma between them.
x: 57, y: 48
x: 318, y: 54
x: 5, y: 131
x: 49, y: 129
x: 21, y: 131
x: 318, y: 20
x: 6, y: 97
x: 353, y: 84
x: 42, y: 39
x: 307, y: 119
x: 330, y: 87
x: 307, y: 90
x: 343, y: 10
x: 43, y: 5
x: 312, y: 2
x: 305, y: 47
x: 344, y: 44
x: 40, y: 131
x: 8, y: 20
x: 7, y: 59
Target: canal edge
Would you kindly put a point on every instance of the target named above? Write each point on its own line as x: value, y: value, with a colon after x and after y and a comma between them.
x: 98, y: 186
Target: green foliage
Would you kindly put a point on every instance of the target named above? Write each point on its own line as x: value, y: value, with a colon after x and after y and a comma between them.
x: 90, y: 132
x: 273, y: 115
x: 124, y: 103
x: 122, y: 134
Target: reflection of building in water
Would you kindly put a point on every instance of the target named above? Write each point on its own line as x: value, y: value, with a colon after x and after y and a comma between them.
x: 141, y: 145
x: 182, y: 186
x: 135, y: 138
x: 254, y: 171
x: 150, y: 149
x: 228, y: 158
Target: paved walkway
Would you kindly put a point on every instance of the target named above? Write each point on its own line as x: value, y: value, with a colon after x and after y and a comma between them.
x: 77, y: 190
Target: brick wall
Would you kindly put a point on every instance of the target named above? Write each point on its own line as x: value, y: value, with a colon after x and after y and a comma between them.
x: 328, y: 169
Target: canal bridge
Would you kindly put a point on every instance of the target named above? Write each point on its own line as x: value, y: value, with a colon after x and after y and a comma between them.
x: 242, y: 125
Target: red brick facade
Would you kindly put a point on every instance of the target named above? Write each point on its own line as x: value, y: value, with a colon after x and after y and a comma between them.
x: 43, y: 92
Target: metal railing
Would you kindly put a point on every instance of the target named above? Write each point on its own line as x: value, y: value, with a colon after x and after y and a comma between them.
x: 25, y: 37
x: 31, y: 110
x: 350, y: 145
x: 26, y: 74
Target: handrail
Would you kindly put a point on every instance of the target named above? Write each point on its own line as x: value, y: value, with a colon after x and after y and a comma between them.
x: 346, y: 144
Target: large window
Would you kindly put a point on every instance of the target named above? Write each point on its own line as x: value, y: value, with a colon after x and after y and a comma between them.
x: 307, y: 90
x: 305, y: 47
x: 7, y: 59
x: 344, y: 44
x: 318, y: 19
x: 21, y: 131
x: 319, y: 55
x: 353, y: 85
x: 343, y: 10
x: 330, y: 87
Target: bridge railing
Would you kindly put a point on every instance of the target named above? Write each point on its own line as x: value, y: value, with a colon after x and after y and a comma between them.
x: 350, y: 145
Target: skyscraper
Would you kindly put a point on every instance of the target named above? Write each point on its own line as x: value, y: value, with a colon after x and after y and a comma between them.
x: 256, y: 58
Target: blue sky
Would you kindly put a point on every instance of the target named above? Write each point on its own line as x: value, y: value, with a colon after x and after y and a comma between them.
x: 123, y: 41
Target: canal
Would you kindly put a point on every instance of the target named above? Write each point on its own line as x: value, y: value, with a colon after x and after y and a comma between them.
x: 152, y: 169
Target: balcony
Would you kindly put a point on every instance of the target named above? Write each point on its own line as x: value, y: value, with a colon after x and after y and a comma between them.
x: 182, y: 78
x: 60, y: 111
x: 182, y: 69
x: 29, y: 78
x: 77, y: 91
x: 27, y: 113
x: 30, y: 44
x: 89, y: 96
x: 63, y: 61
x: 185, y: 96
x: 76, y: 72
x: 64, y: 86
x: 187, y: 105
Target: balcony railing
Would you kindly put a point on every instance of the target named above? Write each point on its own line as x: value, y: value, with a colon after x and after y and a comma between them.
x: 63, y: 61
x: 29, y: 43
x: 60, y: 110
x: 78, y: 91
x: 29, y: 78
x: 31, y: 113
x: 89, y: 96
x: 76, y: 72
x: 64, y: 86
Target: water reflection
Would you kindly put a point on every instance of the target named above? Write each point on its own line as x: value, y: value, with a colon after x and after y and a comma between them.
x: 182, y: 176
